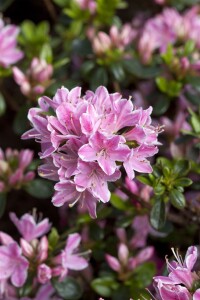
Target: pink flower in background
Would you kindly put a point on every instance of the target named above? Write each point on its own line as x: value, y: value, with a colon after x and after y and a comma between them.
x: 12, y: 264
x: 116, y: 39
x: 87, y: 5
x: 161, y: 2
x: 167, y: 28
x: 28, y: 226
x: 44, y: 273
x: 125, y: 262
x: 36, y: 79
x: 85, y: 141
x: 13, y: 169
x: 9, y: 54
x: 69, y: 259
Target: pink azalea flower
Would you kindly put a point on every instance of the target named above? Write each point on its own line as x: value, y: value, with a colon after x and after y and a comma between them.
x: 91, y: 177
x: 28, y: 227
x: 125, y: 263
x: 116, y: 39
x: 9, y: 54
x: 87, y: 136
x: 69, y: 259
x: 181, y: 278
x: 13, y: 169
x: 73, y: 195
x: 12, y: 264
x: 137, y: 161
x: 36, y: 79
x: 106, y: 151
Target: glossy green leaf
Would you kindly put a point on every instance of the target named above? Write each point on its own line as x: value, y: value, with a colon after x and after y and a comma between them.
x: 104, y: 286
x: 118, y: 203
x: 181, y: 167
x: 68, y: 289
x: 21, y: 123
x: 144, y: 180
x: 53, y: 238
x: 134, y: 67
x: 158, y: 215
x: 177, y: 199
x: 99, y: 77
x: 40, y: 188
x: 183, y: 182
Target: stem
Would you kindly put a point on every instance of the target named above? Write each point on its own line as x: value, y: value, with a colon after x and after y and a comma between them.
x: 117, y: 86
x: 51, y: 9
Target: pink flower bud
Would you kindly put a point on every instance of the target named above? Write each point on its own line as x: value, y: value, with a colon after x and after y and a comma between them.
x: 43, y: 273
x: 113, y: 263
x: 27, y: 249
x: 123, y: 254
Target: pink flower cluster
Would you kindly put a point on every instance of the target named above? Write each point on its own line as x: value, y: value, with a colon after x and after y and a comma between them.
x: 126, y: 262
x: 116, y: 39
x: 167, y: 28
x: 33, y: 254
x: 13, y: 169
x: 36, y: 79
x: 85, y: 140
x: 89, y: 5
x: 9, y: 54
x: 182, y: 282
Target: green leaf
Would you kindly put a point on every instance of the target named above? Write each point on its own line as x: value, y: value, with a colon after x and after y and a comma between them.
x: 193, y: 80
x: 192, y: 97
x: 28, y: 29
x: 118, y: 72
x: 3, y: 198
x: 81, y: 47
x: 158, y: 215
x: 62, y: 3
x: 189, y: 47
x: 195, y: 121
x: 181, y: 167
x: 161, y: 105
x: 159, y: 189
x: 123, y: 292
x: 21, y: 123
x: 68, y: 289
x: 177, y: 199
x: 168, y: 55
x: 46, y: 53
x: 170, y: 87
x: 87, y: 67
x: 183, y: 182
x: 125, y: 221
x: 99, y: 77
x: 118, y: 203
x: 40, y: 188
x: 4, y: 4
x: 144, y: 273
x: 134, y: 67
x: 104, y: 286
x: 60, y: 63
x: 2, y: 105
x: 53, y: 238
x: 144, y: 180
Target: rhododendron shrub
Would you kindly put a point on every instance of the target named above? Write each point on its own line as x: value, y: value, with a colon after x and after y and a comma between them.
x: 99, y: 150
